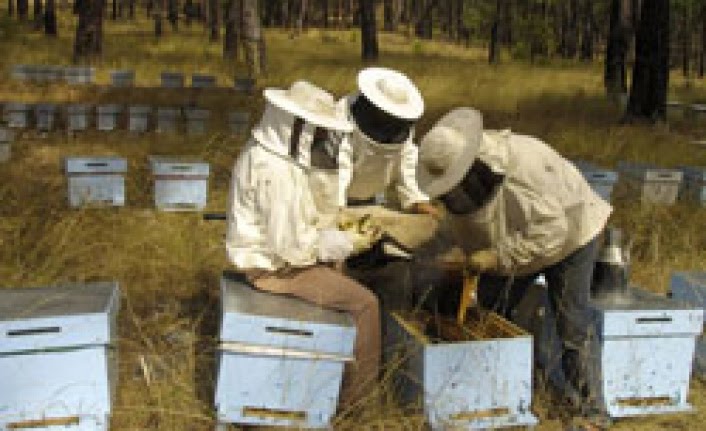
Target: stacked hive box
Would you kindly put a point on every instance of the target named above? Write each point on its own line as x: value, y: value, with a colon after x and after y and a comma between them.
x: 691, y: 287
x: 280, y: 359
x: 649, y: 184
x: 180, y: 184
x: 478, y: 383
x: 96, y: 181
x: 694, y: 188
x: 601, y: 180
x: 57, y: 357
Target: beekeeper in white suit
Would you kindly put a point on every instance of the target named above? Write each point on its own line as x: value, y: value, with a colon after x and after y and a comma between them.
x: 382, y: 155
x: 282, y: 210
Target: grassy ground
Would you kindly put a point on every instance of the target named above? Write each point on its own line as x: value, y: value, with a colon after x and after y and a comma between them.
x: 168, y: 264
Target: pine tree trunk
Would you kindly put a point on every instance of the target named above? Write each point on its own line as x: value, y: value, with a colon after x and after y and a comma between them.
x: 38, y: 14
x: 702, y: 58
x: 157, y: 14
x: 254, y: 43
x: 50, y: 18
x: 22, y: 9
x: 231, y: 39
x: 114, y: 10
x: 493, y: 47
x: 388, y: 15
x: 615, y: 78
x: 213, y: 20
x: 10, y: 7
x: 368, y: 30
x: 589, y: 25
x: 324, y: 13
x: 173, y: 14
x: 685, y: 42
x: 89, y: 32
x: 648, y: 95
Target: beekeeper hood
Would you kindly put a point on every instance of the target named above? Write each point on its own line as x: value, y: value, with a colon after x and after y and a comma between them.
x: 448, y: 151
x: 387, y: 105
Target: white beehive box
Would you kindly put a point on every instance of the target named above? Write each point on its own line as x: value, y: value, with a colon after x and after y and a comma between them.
x: 650, y: 184
x: 45, y: 116
x: 196, y: 120
x: 77, y: 117
x: 473, y: 384
x: 203, y: 81
x: 58, y: 359
x: 180, y: 184
x: 280, y: 359
x: 642, y: 354
x: 168, y: 119
x: 601, y: 180
x: 694, y: 187
x: 108, y: 117
x: 96, y: 181
x: 17, y: 115
x: 80, y: 75
x: 122, y: 78
x: 172, y: 79
x: 21, y: 72
x: 139, y: 118
x: 6, y: 138
x: 690, y: 287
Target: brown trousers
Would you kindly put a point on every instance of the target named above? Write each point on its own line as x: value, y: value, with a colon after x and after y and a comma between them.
x: 331, y: 289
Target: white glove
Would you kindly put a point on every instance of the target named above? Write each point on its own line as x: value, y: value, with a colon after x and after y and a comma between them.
x: 334, y: 245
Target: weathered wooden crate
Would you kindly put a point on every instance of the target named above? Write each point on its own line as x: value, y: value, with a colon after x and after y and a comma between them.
x: 690, y: 287
x: 238, y: 122
x: 280, y: 360
x: 58, y: 358
x: 108, y: 117
x: 203, y: 81
x: 139, y: 118
x: 168, y: 119
x: 17, y: 115
x: 96, y: 181
x: 471, y: 378
x: 197, y: 120
x: 601, y: 180
x: 694, y: 185
x: 647, y: 183
x: 80, y: 75
x: 45, y: 116
x: 78, y: 117
x: 172, y: 80
x: 122, y: 78
x: 180, y: 184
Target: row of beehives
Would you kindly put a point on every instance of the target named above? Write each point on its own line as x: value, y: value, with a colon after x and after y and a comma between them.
x: 138, y: 118
x: 689, y: 110
x: 647, y: 183
x: 119, y: 78
x: 280, y: 360
x: 180, y: 184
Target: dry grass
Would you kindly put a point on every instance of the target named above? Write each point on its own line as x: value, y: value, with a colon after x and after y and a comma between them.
x: 168, y: 264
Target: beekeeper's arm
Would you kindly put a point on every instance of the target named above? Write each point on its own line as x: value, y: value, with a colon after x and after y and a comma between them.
x: 345, y: 170
x: 411, y: 197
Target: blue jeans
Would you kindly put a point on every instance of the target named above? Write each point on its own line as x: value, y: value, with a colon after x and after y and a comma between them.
x: 569, y: 293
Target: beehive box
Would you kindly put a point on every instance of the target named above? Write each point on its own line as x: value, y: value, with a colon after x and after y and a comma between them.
x: 601, y: 180
x: 196, y: 120
x: 238, y: 122
x: 478, y: 376
x: 21, y: 72
x: 6, y: 138
x: 203, y: 81
x: 58, y: 358
x: 122, y: 78
x: 694, y: 186
x: 45, y: 116
x: 96, y: 181
x: 79, y: 75
x: 642, y: 354
x: 647, y: 183
x: 280, y: 359
x: 167, y: 119
x: 245, y: 85
x: 180, y: 184
x: 47, y: 73
x: 108, y: 117
x: 139, y: 118
x: 172, y: 79
x: 690, y: 287
x: 17, y: 115
x: 77, y: 117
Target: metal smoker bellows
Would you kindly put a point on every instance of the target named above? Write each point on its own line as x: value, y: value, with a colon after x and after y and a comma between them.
x: 611, y: 273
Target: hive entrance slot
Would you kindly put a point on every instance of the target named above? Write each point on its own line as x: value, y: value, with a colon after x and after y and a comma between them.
x: 34, y: 331
x: 644, y: 401
x: 481, y: 414
x: 263, y: 413
x: 43, y: 423
x: 654, y: 320
x: 479, y: 325
x: 289, y: 331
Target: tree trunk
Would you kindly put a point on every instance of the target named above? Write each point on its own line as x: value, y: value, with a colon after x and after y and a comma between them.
x: 50, y: 18
x: 89, y: 32
x: 324, y: 13
x: 686, y: 34
x: 368, y: 31
x: 22, y: 9
x: 232, y: 19
x: 615, y: 78
x: 424, y: 25
x: 114, y: 10
x: 702, y: 57
x: 301, y: 19
x: 10, y: 7
x: 157, y: 13
x: 173, y: 14
x: 389, y: 15
x: 648, y: 95
x: 493, y: 47
x: 213, y: 20
x: 131, y: 9
x: 253, y: 41
x: 38, y: 14
x: 589, y: 31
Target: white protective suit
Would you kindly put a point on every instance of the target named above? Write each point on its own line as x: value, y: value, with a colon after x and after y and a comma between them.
x: 278, y: 207
x: 542, y: 212
x: 368, y: 168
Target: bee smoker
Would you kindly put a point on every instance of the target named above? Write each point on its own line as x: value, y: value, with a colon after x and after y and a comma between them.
x: 612, y: 271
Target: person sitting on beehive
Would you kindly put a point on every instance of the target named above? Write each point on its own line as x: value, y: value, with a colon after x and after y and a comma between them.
x: 518, y: 209
x: 282, y: 217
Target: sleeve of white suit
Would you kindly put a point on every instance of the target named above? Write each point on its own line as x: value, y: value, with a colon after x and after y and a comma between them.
x: 345, y: 170
x: 544, y: 235
x: 407, y: 187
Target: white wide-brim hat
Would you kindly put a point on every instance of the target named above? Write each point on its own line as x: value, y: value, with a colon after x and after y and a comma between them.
x: 448, y: 151
x: 312, y: 104
x: 392, y: 92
